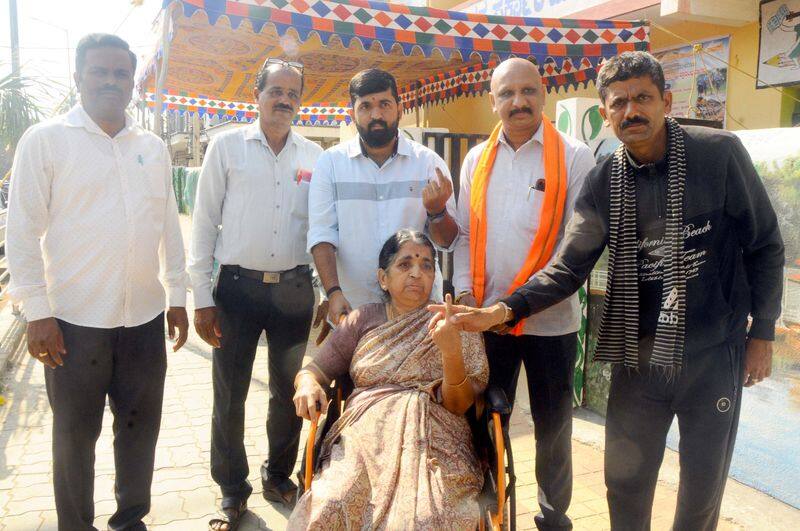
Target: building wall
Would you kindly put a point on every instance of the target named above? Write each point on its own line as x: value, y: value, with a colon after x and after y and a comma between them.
x: 751, y: 108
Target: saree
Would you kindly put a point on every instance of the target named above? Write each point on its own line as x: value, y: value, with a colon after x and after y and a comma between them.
x: 396, y: 458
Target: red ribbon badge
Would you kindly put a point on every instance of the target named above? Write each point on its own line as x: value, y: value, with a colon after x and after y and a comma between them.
x: 303, y: 175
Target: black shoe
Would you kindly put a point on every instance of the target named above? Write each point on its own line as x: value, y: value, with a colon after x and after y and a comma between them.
x: 281, y: 490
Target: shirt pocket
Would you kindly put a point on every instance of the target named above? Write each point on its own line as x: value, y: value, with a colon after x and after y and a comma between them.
x: 153, y: 191
x: 529, y: 210
x: 151, y: 181
x: 300, y: 200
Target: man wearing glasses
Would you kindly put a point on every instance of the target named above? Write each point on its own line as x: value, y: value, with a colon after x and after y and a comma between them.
x: 251, y: 216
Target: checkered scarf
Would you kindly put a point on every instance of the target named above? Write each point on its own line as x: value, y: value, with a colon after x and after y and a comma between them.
x: 619, y: 325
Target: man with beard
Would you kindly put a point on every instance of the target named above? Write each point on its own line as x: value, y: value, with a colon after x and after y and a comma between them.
x: 367, y: 189
x: 251, y: 216
x: 92, y: 224
x: 517, y: 193
x: 694, y: 290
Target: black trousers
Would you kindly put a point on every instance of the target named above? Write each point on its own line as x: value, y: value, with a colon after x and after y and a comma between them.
x: 549, y: 365
x: 246, y: 307
x: 706, y: 397
x: 129, y: 366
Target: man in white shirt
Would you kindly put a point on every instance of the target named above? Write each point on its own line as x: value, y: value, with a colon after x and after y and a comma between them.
x: 91, y: 221
x: 368, y: 188
x: 509, y: 222
x: 251, y: 216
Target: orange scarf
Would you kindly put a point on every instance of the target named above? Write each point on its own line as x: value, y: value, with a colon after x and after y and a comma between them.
x: 550, y: 216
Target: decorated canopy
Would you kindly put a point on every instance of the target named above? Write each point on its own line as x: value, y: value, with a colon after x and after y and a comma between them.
x: 216, y: 47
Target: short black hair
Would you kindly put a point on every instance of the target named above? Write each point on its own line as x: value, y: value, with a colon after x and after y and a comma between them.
x: 100, y: 40
x: 629, y: 65
x: 261, y: 77
x: 371, y: 81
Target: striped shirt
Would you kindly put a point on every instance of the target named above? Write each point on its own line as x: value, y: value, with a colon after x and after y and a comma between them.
x: 356, y: 206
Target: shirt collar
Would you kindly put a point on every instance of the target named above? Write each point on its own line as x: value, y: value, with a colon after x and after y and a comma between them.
x: 78, y: 117
x: 402, y: 147
x: 254, y: 132
x: 538, y: 136
x: 659, y: 166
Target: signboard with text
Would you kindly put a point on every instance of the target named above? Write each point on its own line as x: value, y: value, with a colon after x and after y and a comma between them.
x: 697, y: 79
x: 779, y: 43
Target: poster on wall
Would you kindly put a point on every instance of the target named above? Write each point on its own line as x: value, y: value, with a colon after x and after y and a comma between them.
x: 698, y: 80
x: 779, y: 43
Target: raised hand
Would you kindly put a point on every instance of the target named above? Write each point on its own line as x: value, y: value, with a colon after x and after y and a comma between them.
x: 444, y: 332
x: 436, y: 193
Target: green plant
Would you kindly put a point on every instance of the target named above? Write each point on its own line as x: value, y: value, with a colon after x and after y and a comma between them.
x: 18, y: 109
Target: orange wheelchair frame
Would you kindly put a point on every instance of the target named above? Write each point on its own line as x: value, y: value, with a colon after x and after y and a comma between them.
x: 489, y: 420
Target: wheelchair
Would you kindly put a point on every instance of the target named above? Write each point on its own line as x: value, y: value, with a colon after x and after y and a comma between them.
x: 489, y: 422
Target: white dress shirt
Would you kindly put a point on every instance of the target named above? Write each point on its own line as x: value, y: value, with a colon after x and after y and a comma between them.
x: 252, y: 206
x: 356, y: 206
x: 512, y: 210
x: 91, y: 221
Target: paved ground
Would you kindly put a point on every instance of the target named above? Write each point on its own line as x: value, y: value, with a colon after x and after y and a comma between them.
x: 184, y: 496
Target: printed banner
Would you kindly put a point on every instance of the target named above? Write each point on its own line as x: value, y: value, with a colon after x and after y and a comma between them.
x: 697, y: 76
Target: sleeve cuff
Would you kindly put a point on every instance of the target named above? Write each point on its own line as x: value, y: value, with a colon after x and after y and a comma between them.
x: 36, y: 308
x: 762, y: 329
x: 519, y: 306
x: 323, y: 236
x: 203, y: 298
x: 176, y: 297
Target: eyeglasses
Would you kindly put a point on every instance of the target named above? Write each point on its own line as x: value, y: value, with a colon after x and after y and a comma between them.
x: 278, y: 61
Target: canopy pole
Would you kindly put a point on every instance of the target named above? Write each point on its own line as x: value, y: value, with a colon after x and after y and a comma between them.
x: 416, y: 102
x: 162, y: 72
x: 196, y: 138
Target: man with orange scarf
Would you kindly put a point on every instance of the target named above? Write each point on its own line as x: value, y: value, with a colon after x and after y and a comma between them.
x: 517, y: 193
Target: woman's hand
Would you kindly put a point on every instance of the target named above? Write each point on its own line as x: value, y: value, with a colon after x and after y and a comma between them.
x: 309, y: 397
x: 444, y: 332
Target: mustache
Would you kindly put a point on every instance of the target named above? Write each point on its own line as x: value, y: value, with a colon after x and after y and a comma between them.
x: 520, y: 110
x: 282, y: 106
x: 378, y: 122
x: 115, y: 90
x: 636, y: 120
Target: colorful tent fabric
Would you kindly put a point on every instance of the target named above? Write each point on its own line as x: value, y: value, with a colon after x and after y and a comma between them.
x: 217, y: 46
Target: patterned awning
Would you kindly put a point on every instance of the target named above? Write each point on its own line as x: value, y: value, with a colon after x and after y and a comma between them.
x: 217, y: 46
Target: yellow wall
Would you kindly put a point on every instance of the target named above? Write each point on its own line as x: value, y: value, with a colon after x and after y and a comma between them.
x: 753, y: 109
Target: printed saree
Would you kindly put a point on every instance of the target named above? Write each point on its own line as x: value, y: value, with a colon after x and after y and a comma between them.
x: 396, y: 459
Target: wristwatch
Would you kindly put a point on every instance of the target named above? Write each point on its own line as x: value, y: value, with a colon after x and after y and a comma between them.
x: 433, y: 218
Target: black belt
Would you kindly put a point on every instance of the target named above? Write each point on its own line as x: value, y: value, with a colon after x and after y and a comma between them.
x: 268, y: 277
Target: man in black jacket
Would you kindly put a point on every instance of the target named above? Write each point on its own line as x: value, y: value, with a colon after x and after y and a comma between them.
x: 694, y: 250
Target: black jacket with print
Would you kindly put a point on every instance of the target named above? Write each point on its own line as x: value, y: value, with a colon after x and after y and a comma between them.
x: 733, y: 250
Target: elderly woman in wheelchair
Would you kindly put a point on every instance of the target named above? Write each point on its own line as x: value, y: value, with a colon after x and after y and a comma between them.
x: 401, y: 454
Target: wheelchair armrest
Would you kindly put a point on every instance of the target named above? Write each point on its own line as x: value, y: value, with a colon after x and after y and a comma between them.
x: 497, y: 401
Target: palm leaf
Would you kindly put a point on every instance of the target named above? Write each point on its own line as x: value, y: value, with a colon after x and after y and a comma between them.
x: 18, y: 109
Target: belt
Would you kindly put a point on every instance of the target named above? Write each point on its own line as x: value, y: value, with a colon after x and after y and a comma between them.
x: 268, y: 277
